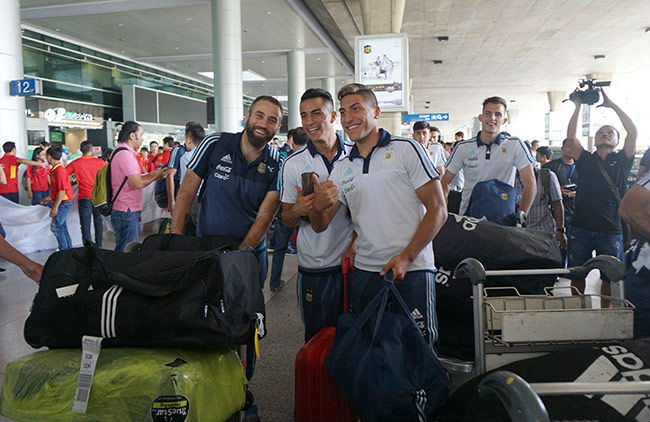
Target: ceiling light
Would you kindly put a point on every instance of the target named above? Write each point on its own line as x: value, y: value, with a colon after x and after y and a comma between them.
x: 426, y: 106
x: 263, y: 61
x: 427, y: 102
x: 120, y: 25
x: 317, y: 58
x: 437, y: 61
x: 57, y: 29
x: 246, y: 76
x: 175, y: 48
x: 443, y: 38
x: 122, y: 51
x: 268, y: 12
x: 599, y: 57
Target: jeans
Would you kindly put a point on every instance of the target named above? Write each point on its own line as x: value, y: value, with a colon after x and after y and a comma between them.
x: 582, y: 242
x: 37, y: 195
x: 126, y: 226
x: 263, y: 257
x: 59, y: 226
x: 281, y: 235
x: 13, y: 197
x: 86, y: 212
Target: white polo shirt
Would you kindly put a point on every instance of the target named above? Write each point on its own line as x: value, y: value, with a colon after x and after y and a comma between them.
x: 436, y: 154
x: 316, y: 250
x: 380, y: 193
x: 481, y: 162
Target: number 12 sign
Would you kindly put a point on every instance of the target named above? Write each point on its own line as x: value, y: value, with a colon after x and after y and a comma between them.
x: 26, y: 87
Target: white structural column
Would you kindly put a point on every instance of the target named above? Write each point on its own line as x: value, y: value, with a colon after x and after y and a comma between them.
x: 12, y: 109
x: 227, y: 64
x: 384, y: 17
x: 296, y: 80
x: 329, y: 85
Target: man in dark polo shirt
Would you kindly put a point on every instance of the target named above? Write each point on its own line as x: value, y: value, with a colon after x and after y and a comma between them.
x: 240, y: 173
x: 595, y: 224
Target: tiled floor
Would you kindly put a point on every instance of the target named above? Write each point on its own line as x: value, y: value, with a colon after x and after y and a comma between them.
x: 274, y: 390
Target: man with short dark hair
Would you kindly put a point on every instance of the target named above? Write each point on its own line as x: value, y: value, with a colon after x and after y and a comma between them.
x: 424, y: 134
x: 543, y: 155
x: 396, y: 206
x: 491, y: 155
x: 534, y: 146
x: 459, y: 136
x: 596, y: 224
x: 644, y: 165
x: 239, y: 172
x: 9, y: 164
x: 86, y: 168
x: 320, y: 280
x: 60, y: 201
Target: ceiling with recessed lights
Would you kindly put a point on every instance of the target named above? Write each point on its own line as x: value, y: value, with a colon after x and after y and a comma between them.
x: 518, y: 49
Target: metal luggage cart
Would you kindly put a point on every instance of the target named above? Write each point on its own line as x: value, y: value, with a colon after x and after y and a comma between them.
x: 522, y: 401
x: 527, y: 325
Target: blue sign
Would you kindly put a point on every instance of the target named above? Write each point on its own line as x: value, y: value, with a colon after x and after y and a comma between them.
x: 25, y: 87
x: 425, y: 117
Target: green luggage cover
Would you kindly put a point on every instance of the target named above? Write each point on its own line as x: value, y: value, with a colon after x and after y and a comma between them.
x: 129, y: 385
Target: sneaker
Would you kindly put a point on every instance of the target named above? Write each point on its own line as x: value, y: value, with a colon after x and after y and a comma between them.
x: 280, y: 286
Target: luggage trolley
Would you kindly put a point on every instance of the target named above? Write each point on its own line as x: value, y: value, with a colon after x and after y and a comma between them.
x: 527, y: 324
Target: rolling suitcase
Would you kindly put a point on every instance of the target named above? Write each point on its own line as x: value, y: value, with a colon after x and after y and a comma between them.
x: 317, y: 397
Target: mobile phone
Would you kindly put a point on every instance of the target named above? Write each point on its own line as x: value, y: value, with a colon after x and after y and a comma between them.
x: 570, y: 186
x: 307, y: 183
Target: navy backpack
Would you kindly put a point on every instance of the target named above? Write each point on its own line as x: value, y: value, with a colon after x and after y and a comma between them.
x: 495, y: 200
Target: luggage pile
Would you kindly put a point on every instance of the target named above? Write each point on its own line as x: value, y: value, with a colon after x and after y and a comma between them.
x: 196, y: 297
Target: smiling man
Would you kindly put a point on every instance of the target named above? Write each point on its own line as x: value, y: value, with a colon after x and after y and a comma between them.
x: 395, y: 201
x: 320, y: 278
x: 240, y: 176
x: 492, y: 155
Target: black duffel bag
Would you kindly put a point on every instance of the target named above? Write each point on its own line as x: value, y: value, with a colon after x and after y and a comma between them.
x: 497, y: 247
x: 147, y: 298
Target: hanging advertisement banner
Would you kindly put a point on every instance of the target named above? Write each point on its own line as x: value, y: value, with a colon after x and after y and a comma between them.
x: 381, y: 63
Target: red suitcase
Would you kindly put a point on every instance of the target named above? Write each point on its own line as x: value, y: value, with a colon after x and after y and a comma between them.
x: 317, y: 397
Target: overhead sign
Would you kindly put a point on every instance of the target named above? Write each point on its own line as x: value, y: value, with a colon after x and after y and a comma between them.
x: 60, y: 113
x: 25, y: 87
x: 429, y: 117
x: 381, y: 63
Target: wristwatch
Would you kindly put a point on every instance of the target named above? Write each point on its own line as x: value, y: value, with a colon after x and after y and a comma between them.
x: 562, y: 230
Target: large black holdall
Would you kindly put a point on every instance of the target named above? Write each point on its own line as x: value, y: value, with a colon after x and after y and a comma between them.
x: 170, y: 298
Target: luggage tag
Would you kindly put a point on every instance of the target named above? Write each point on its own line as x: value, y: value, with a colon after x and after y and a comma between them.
x: 91, y: 347
x: 259, y: 332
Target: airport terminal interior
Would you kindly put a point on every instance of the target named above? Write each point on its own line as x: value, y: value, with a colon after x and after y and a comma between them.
x: 536, y: 74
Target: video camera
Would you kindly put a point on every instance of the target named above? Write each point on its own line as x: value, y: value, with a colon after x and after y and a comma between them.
x: 590, y: 95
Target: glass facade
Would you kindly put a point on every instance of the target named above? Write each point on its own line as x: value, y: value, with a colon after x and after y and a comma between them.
x: 70, y: 72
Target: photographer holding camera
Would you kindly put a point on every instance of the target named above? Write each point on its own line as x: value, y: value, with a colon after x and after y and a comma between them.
x: 595, y: 224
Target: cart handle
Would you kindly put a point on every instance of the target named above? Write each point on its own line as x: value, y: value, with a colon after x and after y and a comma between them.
x: 611, y: 270
x: 519, y: 399
x: 577, y: 388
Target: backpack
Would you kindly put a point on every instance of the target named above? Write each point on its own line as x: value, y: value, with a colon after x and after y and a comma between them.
x: 545, y: 174
x: 161, y: 184
x: 103, y: 190
x: 495, y: 200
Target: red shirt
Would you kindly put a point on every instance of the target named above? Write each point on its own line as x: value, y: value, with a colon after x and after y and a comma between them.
x: 38, y: 177
x: 10, y: 166
x: 86, y: 168
x: 142, y: 162
x: 60, y: 182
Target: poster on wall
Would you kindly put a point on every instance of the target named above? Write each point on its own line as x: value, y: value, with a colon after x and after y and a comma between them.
x: 381, y: 62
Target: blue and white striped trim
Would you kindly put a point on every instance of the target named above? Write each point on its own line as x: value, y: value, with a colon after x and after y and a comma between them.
x: 422, y: 154
x: 644, y: 180
x: 432, y: 318
x: 473, y: 140
x: 201, y: 150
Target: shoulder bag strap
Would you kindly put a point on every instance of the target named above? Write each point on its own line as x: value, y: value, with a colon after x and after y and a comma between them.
x: 109, y: 172
x: 608, y: 179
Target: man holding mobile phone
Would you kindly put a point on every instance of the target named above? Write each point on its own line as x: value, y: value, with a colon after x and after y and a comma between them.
x: 567, y: 174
